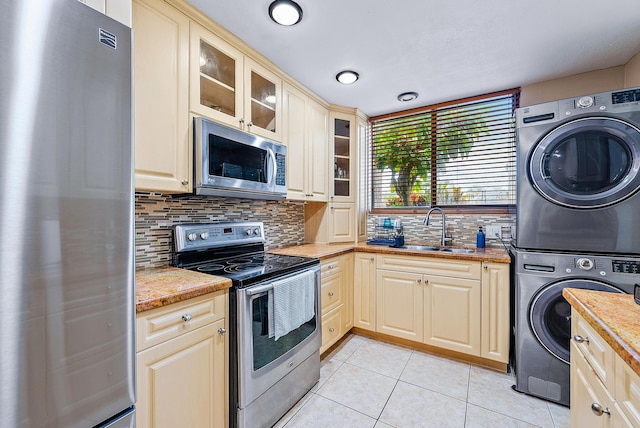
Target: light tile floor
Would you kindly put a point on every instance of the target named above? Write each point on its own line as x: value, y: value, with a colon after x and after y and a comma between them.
x: 366, y: 383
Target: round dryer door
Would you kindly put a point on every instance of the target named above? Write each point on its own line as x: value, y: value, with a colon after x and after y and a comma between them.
x: 587, y: 163
x: 550, y: 314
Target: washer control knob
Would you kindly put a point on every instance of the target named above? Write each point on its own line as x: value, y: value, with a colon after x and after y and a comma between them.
x: 585, y: 102
x: 204, y: 235
x: 585, y: 264
x: 192, y: 236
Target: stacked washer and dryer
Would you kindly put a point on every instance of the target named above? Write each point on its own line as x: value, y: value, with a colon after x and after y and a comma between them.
x: 578, y: 223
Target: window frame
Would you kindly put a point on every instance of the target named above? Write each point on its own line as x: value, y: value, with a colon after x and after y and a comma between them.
x: 454, y: 209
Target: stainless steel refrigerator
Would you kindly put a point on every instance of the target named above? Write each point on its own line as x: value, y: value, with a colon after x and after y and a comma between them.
x: 67, y: 355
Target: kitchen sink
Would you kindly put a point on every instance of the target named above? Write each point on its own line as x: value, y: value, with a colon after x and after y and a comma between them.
x: 420, y: 247
x: 429, y: 248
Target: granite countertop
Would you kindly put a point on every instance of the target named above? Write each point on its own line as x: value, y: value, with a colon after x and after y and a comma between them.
x: 157, y: 287
x: 323, y: 251
x: 616, y: 317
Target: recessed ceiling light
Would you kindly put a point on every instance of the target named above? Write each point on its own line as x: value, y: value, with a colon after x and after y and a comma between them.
x: 347, y: 77
x: 285, y: 12
x: 407, y: 96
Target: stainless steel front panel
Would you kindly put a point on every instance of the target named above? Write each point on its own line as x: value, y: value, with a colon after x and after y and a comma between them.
x: 66, y: 218
x: 258, y: 383
x: 555, y: 217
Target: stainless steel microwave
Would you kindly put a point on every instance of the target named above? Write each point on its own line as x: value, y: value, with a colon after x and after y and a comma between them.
x: 233, y: 163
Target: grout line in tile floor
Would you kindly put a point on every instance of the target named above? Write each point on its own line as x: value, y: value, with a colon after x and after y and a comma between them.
x: 488, y: 398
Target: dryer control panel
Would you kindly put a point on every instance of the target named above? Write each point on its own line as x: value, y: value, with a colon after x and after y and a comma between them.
x: 625, y: 266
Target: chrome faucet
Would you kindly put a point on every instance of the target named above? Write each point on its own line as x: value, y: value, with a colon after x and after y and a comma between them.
x: 444, y: 239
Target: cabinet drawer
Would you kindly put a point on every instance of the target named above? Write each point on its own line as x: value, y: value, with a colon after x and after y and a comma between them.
x: 463, y: 269
x: 331, y: 328
x: 159, y: 325
x: 331, y: 293
x: 595, y: 350
x: 332, y: 266
x: 627, y: 391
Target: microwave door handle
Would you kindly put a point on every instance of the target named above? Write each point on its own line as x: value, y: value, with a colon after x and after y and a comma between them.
x: 274, y: 167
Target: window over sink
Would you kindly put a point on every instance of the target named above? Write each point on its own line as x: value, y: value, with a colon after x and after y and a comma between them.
x: 460, y: 154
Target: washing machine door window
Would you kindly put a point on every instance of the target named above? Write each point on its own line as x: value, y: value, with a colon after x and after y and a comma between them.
x: 587, y: 163
x: 550, y: 314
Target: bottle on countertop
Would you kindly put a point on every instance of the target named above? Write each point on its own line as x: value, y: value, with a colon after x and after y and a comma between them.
x: 480, y: 238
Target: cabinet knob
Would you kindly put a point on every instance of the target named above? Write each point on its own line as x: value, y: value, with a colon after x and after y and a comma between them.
x: 185, y: 182
x: 241, y: 122
x: 331, y: 329
x: 330, y: 293
x: 597, y: 409
x: 249, y: 125
x: 419, y: 281
x: 186, y: 317
x: 222, y: 331
x: 373, y: 259
x: 485, y: 267
x: 581, y: 339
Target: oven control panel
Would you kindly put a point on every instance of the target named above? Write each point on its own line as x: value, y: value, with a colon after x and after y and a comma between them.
x: 188, y: 237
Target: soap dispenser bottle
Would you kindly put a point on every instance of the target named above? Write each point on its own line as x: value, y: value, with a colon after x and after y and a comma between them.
x: 480, y: 238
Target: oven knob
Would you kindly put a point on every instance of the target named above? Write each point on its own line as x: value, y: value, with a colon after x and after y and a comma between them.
x: 585, y: 102
x: 247, y: 232
x: 585, y: 264
x: 192, y: 236
x: 256, y: 231
x: 204, y: 235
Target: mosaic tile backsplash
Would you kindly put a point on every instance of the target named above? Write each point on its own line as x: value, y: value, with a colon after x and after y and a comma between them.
x: 461, y: 227
x: 155, y: 216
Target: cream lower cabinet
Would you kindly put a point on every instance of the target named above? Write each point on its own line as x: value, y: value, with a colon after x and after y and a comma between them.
x: 605, y: 392
x: 182, y: 364
x: 457, y: 305
x: 336, y: 298
x: 495, y: 311
x: 364, y: 291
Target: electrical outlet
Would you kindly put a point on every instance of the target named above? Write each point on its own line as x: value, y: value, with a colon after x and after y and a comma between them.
x: 494, y: 232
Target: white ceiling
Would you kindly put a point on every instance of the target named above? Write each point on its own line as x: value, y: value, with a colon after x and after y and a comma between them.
x: 444, y: 50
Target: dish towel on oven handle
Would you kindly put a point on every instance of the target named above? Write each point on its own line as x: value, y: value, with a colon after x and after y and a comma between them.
x: 291, y: 303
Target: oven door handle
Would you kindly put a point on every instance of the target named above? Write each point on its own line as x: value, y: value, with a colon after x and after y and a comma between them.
x: 259, y: 289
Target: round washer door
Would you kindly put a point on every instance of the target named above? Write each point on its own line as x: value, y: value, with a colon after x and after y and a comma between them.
x: 587, y: 163
x: 550, y: 314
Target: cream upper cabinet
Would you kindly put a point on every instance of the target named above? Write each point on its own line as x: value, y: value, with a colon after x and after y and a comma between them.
x: 343, y: 154
x: 120, y: 10
x: 229, y: 87
x: 364, y: 291
x: 182, y: 364
x: 341, y: 222
x: 163, y: 154
x: 495, y: 312
x: 305, y: 131
x: 363, y: 180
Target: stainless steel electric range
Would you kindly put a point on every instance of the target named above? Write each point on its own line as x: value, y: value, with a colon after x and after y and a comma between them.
x: 268, y: 373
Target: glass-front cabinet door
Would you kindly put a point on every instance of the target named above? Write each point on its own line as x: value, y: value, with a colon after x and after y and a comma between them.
x: 343, y: 154
x: 262, y: 101
x: 230, y: 88
x: 216, y: 78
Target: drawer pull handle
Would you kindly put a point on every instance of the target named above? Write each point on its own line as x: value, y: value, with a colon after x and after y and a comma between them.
x: 330, y: 293
x: 597, y: 409
x: 581, y: 339
x: 331, y: 329
x: 186, y: 317
x: 221, y: 331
